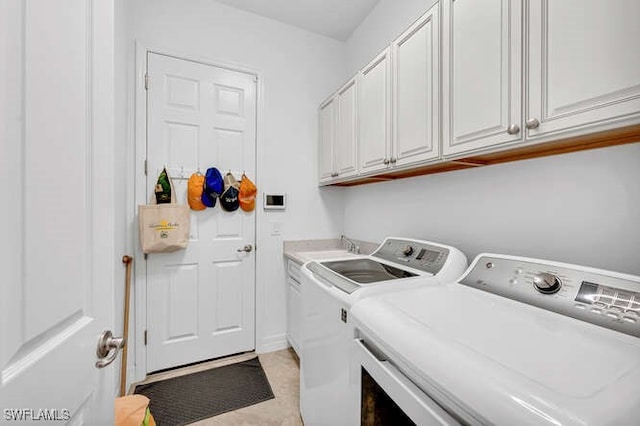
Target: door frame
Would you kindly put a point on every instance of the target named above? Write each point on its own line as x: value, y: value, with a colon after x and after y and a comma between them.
x: 136, y: 174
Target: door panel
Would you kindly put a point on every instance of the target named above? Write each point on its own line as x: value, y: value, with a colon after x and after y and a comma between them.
x: 416, y: 77
x: 374, y: 114
x: 580, y: 74
x: 346, y: 135
x: 482, y: 74
x: 201, y: 300
x: 327, y: 130
x: 57, y: 260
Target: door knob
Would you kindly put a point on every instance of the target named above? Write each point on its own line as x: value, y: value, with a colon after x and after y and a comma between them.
x: 246, y: 248
x: 108, y: 348
x: 386, y: 161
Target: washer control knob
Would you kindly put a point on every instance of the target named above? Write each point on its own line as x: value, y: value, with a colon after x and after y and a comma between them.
x: 408, y: 251
x: 546, y: 283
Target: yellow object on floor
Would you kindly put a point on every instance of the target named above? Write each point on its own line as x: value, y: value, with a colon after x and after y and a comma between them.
x: 133, y: 410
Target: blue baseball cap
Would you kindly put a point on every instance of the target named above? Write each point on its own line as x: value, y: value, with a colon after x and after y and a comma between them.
x: 213, y: 187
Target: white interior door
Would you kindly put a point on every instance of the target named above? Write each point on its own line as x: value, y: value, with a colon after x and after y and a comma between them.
x: 56, y: 168
x: 200, y: 301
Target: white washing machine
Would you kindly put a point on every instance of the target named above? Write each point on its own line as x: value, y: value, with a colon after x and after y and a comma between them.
x: 329, y: 289
x: 515, y: 341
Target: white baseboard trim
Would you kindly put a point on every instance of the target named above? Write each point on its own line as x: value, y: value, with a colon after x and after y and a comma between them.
x: 272, y: 343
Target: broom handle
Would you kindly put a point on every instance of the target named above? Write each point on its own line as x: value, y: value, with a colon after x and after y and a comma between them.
x: 127, y: 260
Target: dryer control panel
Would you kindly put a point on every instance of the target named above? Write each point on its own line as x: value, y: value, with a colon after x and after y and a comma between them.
x: 413, y: 253
x: 605, y: 298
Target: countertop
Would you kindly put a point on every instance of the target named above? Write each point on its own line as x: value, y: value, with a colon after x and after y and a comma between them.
x: 302, y: 251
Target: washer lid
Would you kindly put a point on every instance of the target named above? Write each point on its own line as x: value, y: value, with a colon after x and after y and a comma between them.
x: 504, y: 360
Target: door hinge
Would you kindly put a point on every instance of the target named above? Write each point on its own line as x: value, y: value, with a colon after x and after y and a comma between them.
x: 145, y: 167
x: 145, y: 337
x: 146, y: 82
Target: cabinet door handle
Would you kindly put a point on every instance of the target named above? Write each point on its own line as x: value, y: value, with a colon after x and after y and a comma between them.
x: 514, y: 129
x: 533, y: 123
x: 393, y: 160
x: 386, y: 161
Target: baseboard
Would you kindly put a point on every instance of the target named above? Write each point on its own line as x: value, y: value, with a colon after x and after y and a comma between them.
x: 272, y: 343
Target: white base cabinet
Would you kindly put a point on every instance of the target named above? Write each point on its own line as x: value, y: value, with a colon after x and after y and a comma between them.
x: 293, y: 305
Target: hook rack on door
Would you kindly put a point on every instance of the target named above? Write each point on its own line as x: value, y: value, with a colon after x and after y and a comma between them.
x: 184, y: 173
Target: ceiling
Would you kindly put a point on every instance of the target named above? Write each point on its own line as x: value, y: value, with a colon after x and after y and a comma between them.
x: 333, y: 18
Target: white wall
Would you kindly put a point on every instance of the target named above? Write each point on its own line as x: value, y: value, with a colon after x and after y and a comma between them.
x: 387, y: 20
x: 298, y: 69
x: 579, y: 208
x: 582, y: 208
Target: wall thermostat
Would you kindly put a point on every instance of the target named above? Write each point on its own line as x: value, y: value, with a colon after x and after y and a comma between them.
x: 274, y: 201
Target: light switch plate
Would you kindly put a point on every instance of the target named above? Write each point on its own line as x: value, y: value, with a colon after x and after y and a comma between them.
x: 276, y: 228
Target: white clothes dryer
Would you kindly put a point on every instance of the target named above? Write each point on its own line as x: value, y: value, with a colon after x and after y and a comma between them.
x: 513, y: 341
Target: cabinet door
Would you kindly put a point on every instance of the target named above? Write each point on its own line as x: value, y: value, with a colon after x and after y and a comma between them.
x: 327, y: 130
x: 374, y: 114
x: 584, y: 65
x: 416, y: 84
x: 293, y: 314
x: 482, y: 74
x: 345, y: 145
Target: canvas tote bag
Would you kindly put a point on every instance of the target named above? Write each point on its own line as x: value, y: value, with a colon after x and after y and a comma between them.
x: 164, y: 228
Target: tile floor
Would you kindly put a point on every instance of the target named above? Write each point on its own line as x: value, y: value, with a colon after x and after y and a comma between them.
x: 283, y: 371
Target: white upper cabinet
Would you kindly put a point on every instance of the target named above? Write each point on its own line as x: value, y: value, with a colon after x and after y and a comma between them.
x: 476, y: 77
x: 337, y: 147
x: 345, y: 144
x: 482, y: 74
x: 416, y: 87
x: 327, y: 130
x: 584, y: 65
x: 374, y: 114
x: 581, y: 75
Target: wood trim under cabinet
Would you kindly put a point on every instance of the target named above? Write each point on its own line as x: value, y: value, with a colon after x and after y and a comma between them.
x: 605, y: 139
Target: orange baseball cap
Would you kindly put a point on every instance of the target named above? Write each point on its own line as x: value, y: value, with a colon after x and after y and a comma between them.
x: 247, y: 194
x: 194, y: 191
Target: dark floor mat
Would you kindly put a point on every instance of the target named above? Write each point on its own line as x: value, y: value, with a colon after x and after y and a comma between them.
x: 196, y: 396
